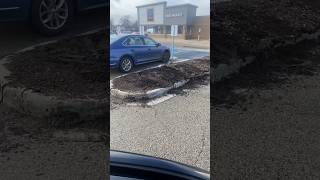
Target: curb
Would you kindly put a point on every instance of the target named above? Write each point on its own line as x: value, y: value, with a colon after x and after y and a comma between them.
x: 144, y: 95
x: 58, y: 111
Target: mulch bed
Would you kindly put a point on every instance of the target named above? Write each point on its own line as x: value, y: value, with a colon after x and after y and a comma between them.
x: 302, y: 59
x: 164, y: 76
x: 71, y: 68
x: 240, y: 26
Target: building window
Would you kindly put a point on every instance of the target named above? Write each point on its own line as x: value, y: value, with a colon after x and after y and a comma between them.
x: 180, y: 29
x: 174, y: 14
x: 150, y: 14
x: 168, y: 30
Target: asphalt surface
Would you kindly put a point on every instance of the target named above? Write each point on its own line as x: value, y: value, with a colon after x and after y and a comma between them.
x: 30, y: 150
x: 27, y: 148
x: 273, y: 133
x: 180, y: 54
x: 177, y: 129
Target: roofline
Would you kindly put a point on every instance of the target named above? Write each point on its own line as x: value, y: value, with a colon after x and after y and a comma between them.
x: 186, y: 4
x: 163, y: 2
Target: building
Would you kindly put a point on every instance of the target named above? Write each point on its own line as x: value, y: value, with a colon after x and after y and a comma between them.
x: 157, y: 19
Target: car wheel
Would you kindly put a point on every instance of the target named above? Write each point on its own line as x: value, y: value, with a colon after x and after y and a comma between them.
x: 166, y: 56
x: 126, y: 64
x: 51, y: 17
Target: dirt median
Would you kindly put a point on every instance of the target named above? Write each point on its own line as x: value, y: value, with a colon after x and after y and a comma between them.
x: 70, y: 68
x: 250, y: 27
x: 163, y: 76
x: 291, y: 61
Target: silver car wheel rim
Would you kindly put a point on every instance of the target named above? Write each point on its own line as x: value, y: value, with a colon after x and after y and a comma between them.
x: 53, y: 13
x: 126, y: 64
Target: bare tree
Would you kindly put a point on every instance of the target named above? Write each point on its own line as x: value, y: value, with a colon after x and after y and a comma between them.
x: 135, y: 26
x: 125, y: 21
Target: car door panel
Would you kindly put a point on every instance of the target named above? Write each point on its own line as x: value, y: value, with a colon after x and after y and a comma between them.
x: 158, y: 52
x: 138, y: 53
x: 153, y: 49
x: 136, y: 47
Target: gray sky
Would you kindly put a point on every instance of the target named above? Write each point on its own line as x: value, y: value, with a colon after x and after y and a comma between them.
x: 120, y: 8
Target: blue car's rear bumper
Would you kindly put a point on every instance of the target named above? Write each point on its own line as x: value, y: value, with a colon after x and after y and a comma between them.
x: 14, y: 10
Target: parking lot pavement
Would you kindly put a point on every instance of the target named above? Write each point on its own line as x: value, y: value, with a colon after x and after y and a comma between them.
x: 272, y: 134
x: 29, y: 151
x: 16, y: 36
x: 177, y: 129
x: 190, y: 53
x: 179, y: 55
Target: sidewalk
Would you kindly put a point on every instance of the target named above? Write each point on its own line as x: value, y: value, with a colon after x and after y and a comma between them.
x: 202, y: 44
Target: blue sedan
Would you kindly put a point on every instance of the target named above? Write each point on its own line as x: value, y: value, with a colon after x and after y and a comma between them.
x: 129, y: 50
x: 49, y: 17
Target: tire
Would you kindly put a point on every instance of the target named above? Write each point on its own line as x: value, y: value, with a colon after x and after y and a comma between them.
x: 166, y: 57
x: 51, y: 19
x: 126, y: 64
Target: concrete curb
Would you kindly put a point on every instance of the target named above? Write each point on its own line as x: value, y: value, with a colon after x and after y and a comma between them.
x: 144, y: 94
x: 57, y: 110
x: 223, y: 71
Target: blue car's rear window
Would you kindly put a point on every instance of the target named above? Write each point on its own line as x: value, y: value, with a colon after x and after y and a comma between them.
x: 114, y: 37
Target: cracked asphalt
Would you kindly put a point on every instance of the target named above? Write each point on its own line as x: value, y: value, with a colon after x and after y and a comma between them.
x: 177, y: 129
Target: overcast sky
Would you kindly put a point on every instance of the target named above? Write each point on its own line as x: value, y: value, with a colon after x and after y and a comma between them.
x: 128, y: 7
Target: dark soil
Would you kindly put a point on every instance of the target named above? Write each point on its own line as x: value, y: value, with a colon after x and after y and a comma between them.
x: 299, y: 60
x: 240, y: 26
x: 163, y: 76
x: 71, y: 68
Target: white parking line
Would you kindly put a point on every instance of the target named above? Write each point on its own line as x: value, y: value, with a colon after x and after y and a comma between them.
x: 160, y: 100
x: 154, y: 102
